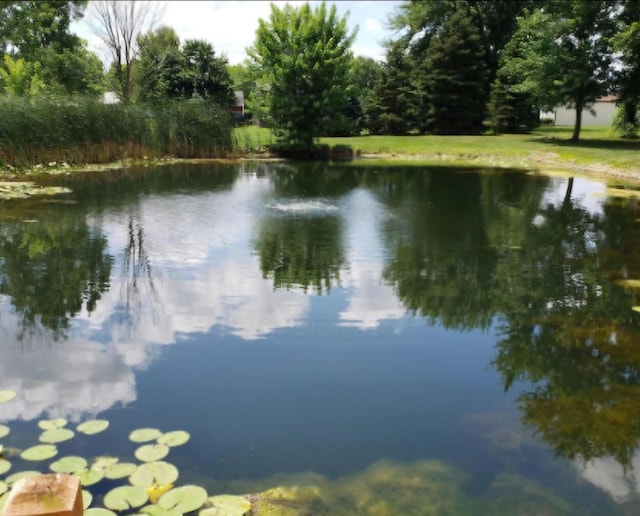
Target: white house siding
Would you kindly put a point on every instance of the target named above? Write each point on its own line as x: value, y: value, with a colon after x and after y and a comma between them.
x: 604, y: 112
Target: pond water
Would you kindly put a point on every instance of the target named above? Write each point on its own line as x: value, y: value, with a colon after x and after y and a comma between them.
x: 392, y: 340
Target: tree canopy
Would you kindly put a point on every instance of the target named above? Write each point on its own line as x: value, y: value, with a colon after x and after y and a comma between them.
x: 305, y: 53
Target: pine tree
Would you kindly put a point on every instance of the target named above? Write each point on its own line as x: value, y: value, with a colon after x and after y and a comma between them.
x: 392, y: 105
x: 456, y: 76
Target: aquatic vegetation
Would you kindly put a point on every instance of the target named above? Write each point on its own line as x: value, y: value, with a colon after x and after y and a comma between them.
x: 144, y: 434
x: 93, y: 427
x: 10, y: 190
x: 6, y: 395
x: 149, y: 488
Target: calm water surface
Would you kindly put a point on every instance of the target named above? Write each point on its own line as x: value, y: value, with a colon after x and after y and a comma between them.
x: 406, y: 340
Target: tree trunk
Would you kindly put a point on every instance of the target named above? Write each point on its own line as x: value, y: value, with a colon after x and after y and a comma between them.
x: 576, y: 128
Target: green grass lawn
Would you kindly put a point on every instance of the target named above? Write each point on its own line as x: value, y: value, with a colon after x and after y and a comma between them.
x: 547, y: 147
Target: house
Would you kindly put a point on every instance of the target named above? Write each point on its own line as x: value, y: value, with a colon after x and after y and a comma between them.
x: 237, y: 108
x: 601, y: 113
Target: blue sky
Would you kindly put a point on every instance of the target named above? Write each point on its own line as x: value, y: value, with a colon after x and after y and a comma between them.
x: 231, y: 26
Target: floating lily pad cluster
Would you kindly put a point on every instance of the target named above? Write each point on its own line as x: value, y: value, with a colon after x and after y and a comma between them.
x: 150, y: 489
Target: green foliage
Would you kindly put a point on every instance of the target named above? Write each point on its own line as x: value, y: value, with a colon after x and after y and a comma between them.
x: 84, y: 130
x: 38, y: 32
x: 392, y: 106
x: 158, y: 65
x: 27, y: 27
x: 19, y: 78
x: 305, y: 55
x: 562, y: 55
x: 456, y: 77
x: 627, y: 76
x: 165, y: 70
x: 70, y: 71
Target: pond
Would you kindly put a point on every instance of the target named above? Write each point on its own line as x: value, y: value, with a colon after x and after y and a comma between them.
x: 372, y: 339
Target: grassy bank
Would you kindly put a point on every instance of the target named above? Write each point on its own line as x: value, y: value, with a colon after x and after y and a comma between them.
x: 598, y: 151
x: 82, y: 130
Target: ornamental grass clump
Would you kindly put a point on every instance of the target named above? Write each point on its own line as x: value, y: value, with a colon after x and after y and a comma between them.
x: 77, y: 130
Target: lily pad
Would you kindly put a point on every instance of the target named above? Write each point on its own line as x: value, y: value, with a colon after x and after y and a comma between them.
x: 154, y: 510
x: 158, y: 473
x: 3, y: 487
x: 56, y: 435
x: 183, y: 499
x: 143, y: 435
x: 50, y: 424
x: 226, y: 505
x: 39, y: 452
x: 120, y: 470
x: 7, y: 395
x: 5, y: 466
x: 175, y: 438
x: 4, y: 431
x: 125, y: 497
x: 3, y: 500
x: 70, y: 464
x: 87, y: 498
x: 99, y: 511
x: 12, y: 479
x: 90, y: 476
x: 636, y: 308
x: 151, y: 452
x: 104, y: 462
x: 93, y: 427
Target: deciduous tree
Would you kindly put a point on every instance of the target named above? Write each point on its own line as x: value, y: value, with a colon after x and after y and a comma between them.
x: 305, y: 53
x: 118, y: 24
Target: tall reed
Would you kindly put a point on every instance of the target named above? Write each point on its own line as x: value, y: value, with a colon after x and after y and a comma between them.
x: 79, y: 130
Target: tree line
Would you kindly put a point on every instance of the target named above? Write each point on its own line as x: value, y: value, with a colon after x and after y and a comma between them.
x: 452, y: 66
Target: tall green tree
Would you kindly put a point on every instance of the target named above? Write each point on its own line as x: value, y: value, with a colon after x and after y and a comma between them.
x: 204, y: 74
x: 564, y: 54
x: 159, y: 64
x: 393, y: 106
x: 627, y: 76
x: 38, y: 32
x: 456, y: 76
x: 72, y: 70
x: 27, y: 27
x: 305, y: 54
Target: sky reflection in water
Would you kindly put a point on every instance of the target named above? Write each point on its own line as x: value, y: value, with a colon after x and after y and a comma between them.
x: 327, y: 324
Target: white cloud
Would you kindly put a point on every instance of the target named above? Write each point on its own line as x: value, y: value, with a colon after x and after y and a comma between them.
x: 609, y: 475
x: 370, y: 300
x: 230, y: 26
x: 372, y: 25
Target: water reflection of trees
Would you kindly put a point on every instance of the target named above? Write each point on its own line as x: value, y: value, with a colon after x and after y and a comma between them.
x: 448, y: 235
x: 302, y: 252
x: 467, y: 250
x: 52, y: 268
x: 302, y: 247
x: 575, y: 338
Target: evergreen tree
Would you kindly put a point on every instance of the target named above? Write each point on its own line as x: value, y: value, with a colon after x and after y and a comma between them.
x: 456, y: 77
x: 392, y: 106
